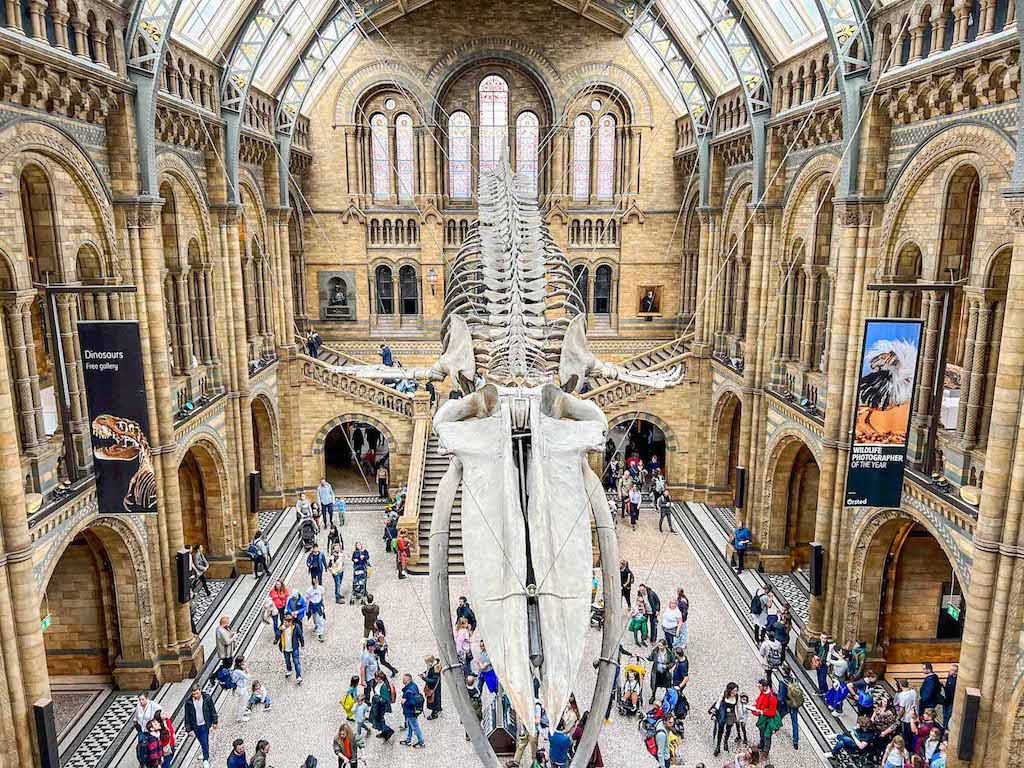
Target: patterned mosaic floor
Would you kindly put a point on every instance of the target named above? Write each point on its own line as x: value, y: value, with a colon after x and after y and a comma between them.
x: 719, y: 653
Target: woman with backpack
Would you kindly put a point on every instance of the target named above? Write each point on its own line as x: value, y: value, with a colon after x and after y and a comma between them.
x: 380, y: 705
x: 724, y: 716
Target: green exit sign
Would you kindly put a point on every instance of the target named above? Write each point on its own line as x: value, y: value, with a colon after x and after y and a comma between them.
x: 47, y: 621
x: 953, y: 611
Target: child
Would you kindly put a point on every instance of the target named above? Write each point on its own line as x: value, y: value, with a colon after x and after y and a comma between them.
x: 638, y: 623
x: 259, y: 695
x: 361, y: 715
x: 474, y: 698
x: 675, y: 748
x: 351, y: 698
x: 742, y: 711
x: 269, y: 610
x: 631, y: 690
x: 594, y: 585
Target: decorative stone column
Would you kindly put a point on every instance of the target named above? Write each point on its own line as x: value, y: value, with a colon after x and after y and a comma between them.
x: 13, y: 9
x: 965, y: 380
x: 812, y: 280
x: 36, y: 14
x: 978, y: 371
x: 184, y: 313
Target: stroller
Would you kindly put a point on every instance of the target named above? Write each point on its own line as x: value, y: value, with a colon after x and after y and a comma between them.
x: 597, y: 613
x: 359, y: 577
x: 625, y: 707
x: 307, y: 532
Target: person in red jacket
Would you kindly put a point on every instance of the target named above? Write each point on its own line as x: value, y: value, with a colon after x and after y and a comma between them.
x: 279, y: 594
x: 766, y: 707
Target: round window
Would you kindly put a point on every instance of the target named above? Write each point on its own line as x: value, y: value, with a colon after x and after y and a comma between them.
x: 595, y: 105
x: 390, y: 104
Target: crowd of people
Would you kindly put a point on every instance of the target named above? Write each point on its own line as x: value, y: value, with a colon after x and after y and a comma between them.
x: 901, y: 731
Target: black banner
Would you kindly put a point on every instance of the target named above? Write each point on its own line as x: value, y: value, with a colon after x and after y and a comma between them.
x: 885, y: 393
x: 115, y: 391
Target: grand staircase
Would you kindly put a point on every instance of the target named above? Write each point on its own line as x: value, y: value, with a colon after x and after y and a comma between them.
x: 436, y: 464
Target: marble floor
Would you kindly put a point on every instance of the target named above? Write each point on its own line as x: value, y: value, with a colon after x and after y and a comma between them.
x: 303, y: 720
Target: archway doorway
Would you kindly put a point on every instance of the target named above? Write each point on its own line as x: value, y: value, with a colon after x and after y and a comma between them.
x: 264, y: 444
x: 794, y: 502
x: 726, y: 454
x: 912, y: 606
x: 202, y: 503
x: 353, y: 451
x: 91, y: 606
x: 638, y: 437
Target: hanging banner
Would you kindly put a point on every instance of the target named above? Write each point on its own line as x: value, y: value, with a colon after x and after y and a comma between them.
x: 885, y: 393
x: 115, y: 393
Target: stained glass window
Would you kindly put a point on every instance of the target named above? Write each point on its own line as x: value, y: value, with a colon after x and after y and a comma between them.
x: 459, y: 169
x: 527, y: 132
x: 381, y: 149
x: 493, y: 121
x: 581, y: 158
x: 404, y: 159
x: 605, y: 157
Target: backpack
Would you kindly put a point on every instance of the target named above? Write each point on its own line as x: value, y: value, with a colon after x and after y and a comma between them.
x: 682, y: 708
x: 756, y: 606
x: 416, y: 703
x: 225, y: 679
x: 651, y: 742
x: 794, y: 695
x: 774, y: 657
x: 391, y: 690
x: 684, y: 609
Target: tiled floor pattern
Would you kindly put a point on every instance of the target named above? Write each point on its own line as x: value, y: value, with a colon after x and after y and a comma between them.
x: 103, y: 734
x: 68, y: 705
x: 304, y: 719
x: 202, y: 602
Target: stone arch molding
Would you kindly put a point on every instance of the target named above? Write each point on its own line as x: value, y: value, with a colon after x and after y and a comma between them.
x: 353, y: 90
x: 29, y: 135
x: 337, y: 421
x: 248, y: 182
x: 613, y: 77
x: 174, y: 165
x: 630, y: 417
x: 862, y: 539
x: 467, y: 53
x: 776, y: 448
x: 809, y: 174
x: 959, y: 139
x: 129, y: 529
x: 723, y: 396
x: 263, y: 396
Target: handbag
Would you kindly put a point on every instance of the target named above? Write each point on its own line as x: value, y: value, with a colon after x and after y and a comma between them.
x: 428, y: 694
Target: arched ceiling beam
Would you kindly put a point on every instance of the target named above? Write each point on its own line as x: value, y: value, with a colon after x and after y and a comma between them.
x: 850, y: 40
x: 146, y: 40
x: 692, y: 90
x: 258, y: 30
x: 749, y: 63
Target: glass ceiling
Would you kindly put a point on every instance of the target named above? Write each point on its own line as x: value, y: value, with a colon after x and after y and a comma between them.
x: 782, y: 27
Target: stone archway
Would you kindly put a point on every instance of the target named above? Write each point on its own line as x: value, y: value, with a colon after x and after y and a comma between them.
x: 901, y: 579
x: 202, y: 484
x: 98, y: 600
x: 267, y: 443
x: 724, y: 454
x: 790, y: 502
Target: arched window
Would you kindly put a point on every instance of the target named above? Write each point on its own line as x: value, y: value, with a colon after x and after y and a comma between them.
x: 460, y: 171
x: 385, y: 293
x: 404, y: 157
x: 381, y: 153
x: 409, y: 290
x: 493, y: 121
x: 606, y: 157
x: 580, y: 277
x: 581, y: 158
x: 603, y: 290
x: 527, y: 132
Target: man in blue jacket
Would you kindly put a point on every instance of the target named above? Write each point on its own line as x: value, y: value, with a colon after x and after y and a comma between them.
x: 412, y: 708
x: 296, y: 607
x: 740, y: 542
x: 559, y: 745
x: 931, y: 690
x: 317, y: 564
x: 290, y: 642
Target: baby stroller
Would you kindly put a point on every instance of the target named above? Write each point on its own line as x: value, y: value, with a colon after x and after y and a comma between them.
x: 307, y: 532
x: 359, y: 576
x: 597, y: 614
x: 625, y: 707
